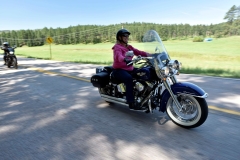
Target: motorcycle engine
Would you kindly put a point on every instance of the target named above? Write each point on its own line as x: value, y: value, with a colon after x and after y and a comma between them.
x: 143, y: 88
x: 139, y: 86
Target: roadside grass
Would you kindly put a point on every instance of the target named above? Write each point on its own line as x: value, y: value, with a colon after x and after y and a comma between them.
x: 220, y: 57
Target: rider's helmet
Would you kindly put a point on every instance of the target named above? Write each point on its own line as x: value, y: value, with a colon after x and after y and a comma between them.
x: 5, y: 44
x: 122, y: 32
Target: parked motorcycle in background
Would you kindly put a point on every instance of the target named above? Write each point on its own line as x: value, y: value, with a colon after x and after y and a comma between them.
x: 156, y: 86
x: 11, y: 59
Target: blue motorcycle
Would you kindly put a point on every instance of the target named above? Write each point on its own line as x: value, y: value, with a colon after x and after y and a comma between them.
x: 156, y: 86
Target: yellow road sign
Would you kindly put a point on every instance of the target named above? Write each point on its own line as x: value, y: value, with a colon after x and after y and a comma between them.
x: 49, y: 40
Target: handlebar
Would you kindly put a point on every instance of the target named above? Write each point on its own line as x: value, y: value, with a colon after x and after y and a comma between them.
x: 138, y: 58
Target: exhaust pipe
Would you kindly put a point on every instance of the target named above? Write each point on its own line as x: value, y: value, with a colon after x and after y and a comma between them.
x: 120, y: 101
x: 114, y: 99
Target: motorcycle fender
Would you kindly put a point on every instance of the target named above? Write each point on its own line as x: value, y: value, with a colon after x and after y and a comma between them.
x: 184, y: 88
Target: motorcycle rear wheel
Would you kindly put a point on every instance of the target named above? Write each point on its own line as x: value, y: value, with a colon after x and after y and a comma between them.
x: 101, y: 91
x: 193, y: 114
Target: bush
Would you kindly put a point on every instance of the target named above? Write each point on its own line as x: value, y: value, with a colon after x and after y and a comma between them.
x: 197, y: 39
x: 164, y: 39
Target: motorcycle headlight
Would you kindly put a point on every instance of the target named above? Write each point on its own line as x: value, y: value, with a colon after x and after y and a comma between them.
x: 165, y: 71
x: 174, y: 64
x: 11, y: 52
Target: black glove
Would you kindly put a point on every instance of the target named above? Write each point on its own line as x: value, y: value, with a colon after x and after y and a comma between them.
x: 128, y: 61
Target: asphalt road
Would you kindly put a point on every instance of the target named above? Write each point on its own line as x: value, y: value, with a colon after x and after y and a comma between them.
x: 49, y: 110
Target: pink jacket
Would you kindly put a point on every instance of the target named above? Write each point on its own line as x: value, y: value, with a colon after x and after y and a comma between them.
x: 119, y: 52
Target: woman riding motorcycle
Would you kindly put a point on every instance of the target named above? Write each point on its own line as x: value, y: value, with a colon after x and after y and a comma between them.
x: 123, y: 69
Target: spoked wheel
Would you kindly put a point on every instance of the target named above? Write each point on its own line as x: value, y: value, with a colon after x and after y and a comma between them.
x: 15, y: 65
x: 193, y: 114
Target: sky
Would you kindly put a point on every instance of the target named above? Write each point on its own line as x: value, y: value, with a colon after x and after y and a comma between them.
x: 30, y: 14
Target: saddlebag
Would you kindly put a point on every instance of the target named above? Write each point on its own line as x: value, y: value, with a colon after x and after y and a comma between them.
x: 100, y: 79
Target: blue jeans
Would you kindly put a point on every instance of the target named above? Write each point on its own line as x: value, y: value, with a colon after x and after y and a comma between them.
x: 126, y: 78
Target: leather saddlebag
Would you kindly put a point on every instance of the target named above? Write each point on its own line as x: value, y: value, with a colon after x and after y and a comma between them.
x: 100, y: 79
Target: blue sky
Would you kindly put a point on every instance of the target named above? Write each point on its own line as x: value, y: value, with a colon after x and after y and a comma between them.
x: 30, y: 14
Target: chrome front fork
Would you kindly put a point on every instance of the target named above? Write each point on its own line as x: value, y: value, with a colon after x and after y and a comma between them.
x: 167, y: 86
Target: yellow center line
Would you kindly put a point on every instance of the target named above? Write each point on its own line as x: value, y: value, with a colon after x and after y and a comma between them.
x: 224, y: 110
x: 59, y: 74
x: 87, y: 80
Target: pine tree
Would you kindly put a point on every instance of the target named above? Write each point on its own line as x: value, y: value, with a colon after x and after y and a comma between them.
x: 231, y: 14
x: 238, y: 12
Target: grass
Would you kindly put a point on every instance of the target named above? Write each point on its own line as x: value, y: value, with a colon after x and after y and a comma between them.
x: 221, y: 57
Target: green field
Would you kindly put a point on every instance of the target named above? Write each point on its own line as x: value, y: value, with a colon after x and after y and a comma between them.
x: 220, y: 57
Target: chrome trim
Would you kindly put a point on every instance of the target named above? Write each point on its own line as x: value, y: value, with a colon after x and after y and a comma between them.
x: 150, y: 106
x: 179, y: 106
x: 203, y: 96
x: 111, y: 100
x: 121, y: 100
x: 174, y: 79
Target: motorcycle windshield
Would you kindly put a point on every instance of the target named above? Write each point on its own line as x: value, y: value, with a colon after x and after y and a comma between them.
x: 10, y: 49
x: 153, y: 45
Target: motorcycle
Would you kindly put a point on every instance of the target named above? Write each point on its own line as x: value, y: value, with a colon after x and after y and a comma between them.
x: 11, y: 59
x: 156, y: 86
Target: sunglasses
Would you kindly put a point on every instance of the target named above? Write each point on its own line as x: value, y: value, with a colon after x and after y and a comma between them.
x: 125, y: 35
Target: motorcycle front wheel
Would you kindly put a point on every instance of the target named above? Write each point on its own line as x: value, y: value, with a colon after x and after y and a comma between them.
x: 193, y: 114
x: 8, y: 63
x: 14, y: 63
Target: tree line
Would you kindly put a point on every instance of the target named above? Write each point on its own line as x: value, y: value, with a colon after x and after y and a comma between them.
x: 99, y: 33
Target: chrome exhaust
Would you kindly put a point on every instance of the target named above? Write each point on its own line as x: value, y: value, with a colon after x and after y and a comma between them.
x: 110, y: 100
x: 114, y: 99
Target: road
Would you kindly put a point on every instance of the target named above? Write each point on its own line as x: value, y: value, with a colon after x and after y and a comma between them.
x: 49, y: 111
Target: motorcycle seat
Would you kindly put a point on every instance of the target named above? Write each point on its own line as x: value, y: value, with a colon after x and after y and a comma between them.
x: 108, y: 69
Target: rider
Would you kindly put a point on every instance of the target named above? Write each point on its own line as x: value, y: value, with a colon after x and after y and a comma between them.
x: 5, y: 47
x: 122, y: 57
